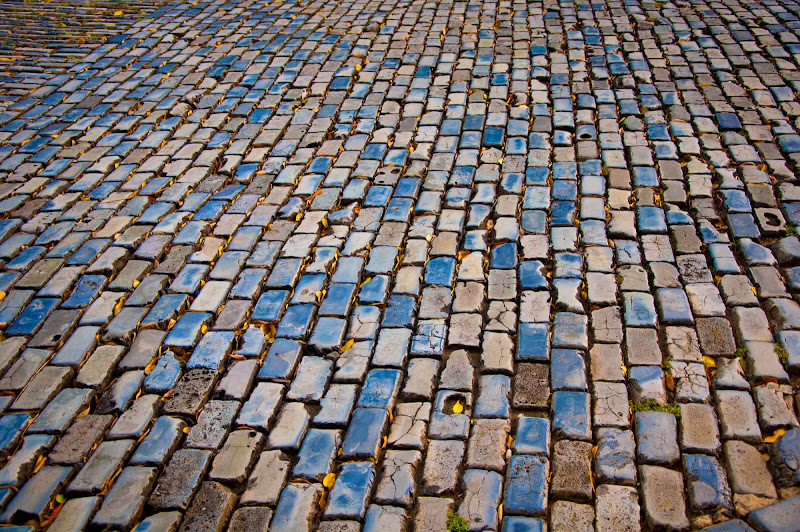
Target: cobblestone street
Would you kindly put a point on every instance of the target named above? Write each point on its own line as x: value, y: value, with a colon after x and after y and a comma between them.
x: 399, y: 265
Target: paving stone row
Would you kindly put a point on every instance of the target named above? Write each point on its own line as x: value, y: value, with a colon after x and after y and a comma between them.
x: 385, y: 266
x: 57, y: 34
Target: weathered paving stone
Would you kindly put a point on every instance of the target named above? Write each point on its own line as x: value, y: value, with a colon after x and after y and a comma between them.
x: 617, y: 508
x: 233, y: 462
x: 135, y: 420
x: 656, y: 438
x: 662, y: 499
x: 61, y: 411
x: 532, y: 436
x: 181, y: 479
x: 571, y: 415
x: 698, y: 430
x: 311, y: 379
x: 42, y: 388
x: 161, y: 521
x: 160, y: 442
x: 785, y: 452
x: 211, y: 508
x: 212, y: 425
x: 238, y: 380
x: 24, y: 461
x: 737, y: 415
x: 397, y: 484
x: 440, y: 471
x: 526, y: 491
x: 297, y: 508
x: 385, y: 518
x: 339, y: 526
x: 363, y: 437
x: 642, y: 347
x: 531, y: 386
x: 33, y: 500
x: 572, y: 470
x: 482, y: 496
x: 706, y: 482
x: 773, y: 410
x: 610, y: 405
x: 191, y: 392
x: 262, y: 406
x: 747, y: 470
x: 76, y: 513
x: 615, y: 459
x: 98, y: 370
x: 120, y: 394
x: 348, y: 498
x: 420, y: 379
x: 336, y: 405
x: 409, y: 428
x: 487, y: 444
x: 565, y: 515
x: 266, y: 479
x: 84, y: 433
x: 432, y: 513
x: 11, y: 428
x: 290, y: 427
x: 124, y: 503
x: 24, y: 369
x: 108, y: 456
x: 250, y: 518
x: 315, y: 458
x: 777, y: 516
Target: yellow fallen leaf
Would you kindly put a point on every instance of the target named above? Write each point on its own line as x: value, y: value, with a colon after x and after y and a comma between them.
x: 774, y: 436
x: 347, y: 345
x: 117, y: 13
x: 458, y: 407
x: 149, y: 368
x: 329, y: 479
x: 40, y: 462
x: 709, y: 362
x: 669, y: 381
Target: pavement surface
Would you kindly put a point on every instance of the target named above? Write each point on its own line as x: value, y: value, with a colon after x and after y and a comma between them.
x: 400, y: 265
